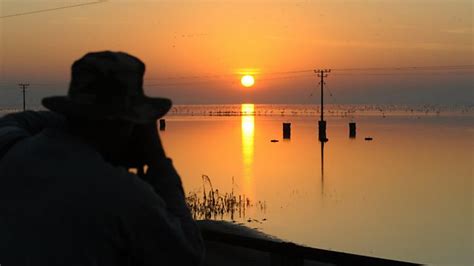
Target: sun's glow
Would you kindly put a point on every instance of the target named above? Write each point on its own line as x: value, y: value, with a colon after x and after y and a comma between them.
x: 247, y: 109
x: 247, y: 81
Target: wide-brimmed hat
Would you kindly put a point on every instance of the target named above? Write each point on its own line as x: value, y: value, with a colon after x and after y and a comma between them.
x: 108, y: 85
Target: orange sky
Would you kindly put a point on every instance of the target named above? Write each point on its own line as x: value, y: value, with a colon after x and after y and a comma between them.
x: 224, y: 38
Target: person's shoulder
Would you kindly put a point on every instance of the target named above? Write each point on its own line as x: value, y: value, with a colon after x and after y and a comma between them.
x: 31, y: 120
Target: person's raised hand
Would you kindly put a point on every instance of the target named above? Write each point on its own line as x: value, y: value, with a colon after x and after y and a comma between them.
x: 147, y: 143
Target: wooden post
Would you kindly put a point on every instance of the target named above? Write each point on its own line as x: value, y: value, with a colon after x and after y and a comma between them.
x: 162, y: 124
x: 352, y: 130
x: 322, y: 131
x: 286, y: 130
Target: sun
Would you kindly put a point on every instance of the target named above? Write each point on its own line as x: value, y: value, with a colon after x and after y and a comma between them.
x: 247, y: 81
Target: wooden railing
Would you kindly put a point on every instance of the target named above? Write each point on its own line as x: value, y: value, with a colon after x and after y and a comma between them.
x: 290, y: 254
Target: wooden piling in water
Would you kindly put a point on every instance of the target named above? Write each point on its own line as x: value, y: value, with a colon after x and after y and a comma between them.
x: 162, y: 124
x: 286, y: 130
x: 352, y: 130
x: 322, y: 131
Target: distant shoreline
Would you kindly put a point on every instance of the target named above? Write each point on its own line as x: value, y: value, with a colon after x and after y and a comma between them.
x: 331, y: 110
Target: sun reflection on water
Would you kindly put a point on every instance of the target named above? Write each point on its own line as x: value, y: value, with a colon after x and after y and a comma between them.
x: 248, y: 133
x: 248, y: 140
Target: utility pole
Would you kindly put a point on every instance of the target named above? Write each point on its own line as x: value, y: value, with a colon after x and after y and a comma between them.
x: 322, y: 73
x: 24, y: 86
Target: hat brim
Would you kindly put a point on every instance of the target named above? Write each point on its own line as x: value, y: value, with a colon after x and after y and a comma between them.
x: 143, y: 110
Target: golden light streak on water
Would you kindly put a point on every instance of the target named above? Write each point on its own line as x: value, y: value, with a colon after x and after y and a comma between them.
x: 248, y: 139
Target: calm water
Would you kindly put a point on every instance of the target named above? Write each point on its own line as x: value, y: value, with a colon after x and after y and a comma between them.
x: 406, y: 195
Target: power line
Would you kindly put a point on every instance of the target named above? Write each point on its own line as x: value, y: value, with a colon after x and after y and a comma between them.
x: 52, y: 9
x: 433, y: 73
x: 410, y: 68
x: 294, y: 74
x: 336, y: 70
x: 307, y: 76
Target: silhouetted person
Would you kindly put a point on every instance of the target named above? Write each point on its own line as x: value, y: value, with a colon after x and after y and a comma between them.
x: 66, y: 197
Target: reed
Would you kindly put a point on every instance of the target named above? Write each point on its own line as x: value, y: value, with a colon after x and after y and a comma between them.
x: 212, y: 204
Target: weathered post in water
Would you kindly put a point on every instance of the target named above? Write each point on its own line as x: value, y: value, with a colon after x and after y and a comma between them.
x: 322, y: 131
x: 286, y: 130
x: 352, y: 130
x: 162, y: 124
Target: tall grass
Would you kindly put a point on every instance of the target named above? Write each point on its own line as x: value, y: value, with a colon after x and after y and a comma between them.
x: 212, y: 204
